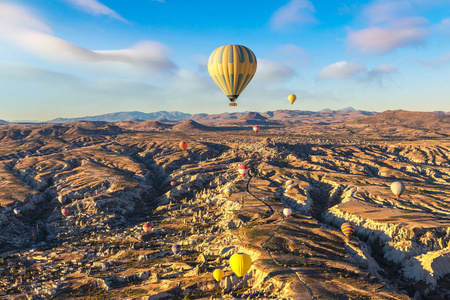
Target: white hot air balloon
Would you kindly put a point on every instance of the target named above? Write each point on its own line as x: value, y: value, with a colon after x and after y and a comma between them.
x: 287, y: 212
x: 397, y: 188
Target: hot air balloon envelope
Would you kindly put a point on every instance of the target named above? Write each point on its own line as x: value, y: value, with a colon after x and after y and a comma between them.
x: 218, y: 274
x: 176, y: 249
x: 289, y: 182
x: 287, y: 212
x: 183, y: 145
x: 256, y: 128
x: 292, y: 98
x: 397, y: 187
x: 240, y: 263
x: 243, y: 170
x: 147, y: 227
x: 347, y: 229
x: 228, y: 191
x: 172, y: 183
x: 232, y: 67
x: 65, y: 212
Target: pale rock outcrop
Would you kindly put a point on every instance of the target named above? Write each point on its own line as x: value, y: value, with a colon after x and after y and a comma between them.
x: 428, y: 267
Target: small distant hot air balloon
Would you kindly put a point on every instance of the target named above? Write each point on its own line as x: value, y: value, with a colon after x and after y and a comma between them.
x: 292, y: 98
x: 176, y: 249
x: 16, y: 211
x: 347, y: 229
x: 289, y: 182
x: 147, y: 227
x: 397, y: 187
x: 232, y: 67
x: 287, y: 212
x: 65, y: 212
x: 240, y: 263
x: 172, y: 183
x: 243, y: 170
x: 289, y: 187
x: 228, y: 192
x: 218, y: 274
x: 256, y: 128
x: 183, y: 145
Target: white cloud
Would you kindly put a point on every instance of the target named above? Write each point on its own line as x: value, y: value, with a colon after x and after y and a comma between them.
x: 341, y: 70
x: 350, y: 70
x: 293, y: 56
x: 379, y: 41
x: 20, y: 27
x: 444, y: 26
x: 391, y: 26
x: 270, y: 72
x: 294, y: 12
x: 96, y: 8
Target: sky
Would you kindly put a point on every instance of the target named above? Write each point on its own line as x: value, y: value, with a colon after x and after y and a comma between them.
x: 73, y: 58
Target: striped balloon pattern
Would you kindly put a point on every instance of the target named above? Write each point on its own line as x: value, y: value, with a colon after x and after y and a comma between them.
x: 232, y: 67
x: 348, y: 229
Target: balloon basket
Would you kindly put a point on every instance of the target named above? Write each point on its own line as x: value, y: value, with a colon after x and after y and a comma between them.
x: 233, y: 104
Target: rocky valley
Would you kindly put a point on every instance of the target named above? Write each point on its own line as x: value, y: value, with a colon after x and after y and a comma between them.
x: 115, y: 177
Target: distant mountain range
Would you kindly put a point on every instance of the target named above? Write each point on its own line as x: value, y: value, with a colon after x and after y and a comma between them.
x: 324, y: 116
x: 127, y: 116
x: 180, y: 116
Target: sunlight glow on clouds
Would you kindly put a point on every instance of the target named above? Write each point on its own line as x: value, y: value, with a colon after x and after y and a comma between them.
x: 390, y: 28
x: 31, y: 34
x: 294, y: 12
x: 350, y: 70
x: 96, y: 8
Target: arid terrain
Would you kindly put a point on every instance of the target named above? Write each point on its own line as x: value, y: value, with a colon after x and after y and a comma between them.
x: 114, y: 177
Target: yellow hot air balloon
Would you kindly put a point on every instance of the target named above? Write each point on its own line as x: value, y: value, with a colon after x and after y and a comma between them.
x: 232, y: 67
x: 218, y: 274
x: 292, y: 98
x: 240, y: 263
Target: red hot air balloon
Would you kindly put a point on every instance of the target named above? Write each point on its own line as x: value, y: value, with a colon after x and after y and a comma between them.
x: 65, y: 212
x: 172, y: 183
x: 256, y: 128
x: 183, y: 145
x: 243, y: 170
x: 147, y: 227
x: 347, y: 229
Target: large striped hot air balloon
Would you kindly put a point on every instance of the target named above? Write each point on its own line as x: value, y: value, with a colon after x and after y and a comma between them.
x: 232, y: 67
x: 243, y: 170
x: 240, y: 263
x: 397, y: 187
x: 183, y: 145
x: 347, y: 229
x: 147, y: 227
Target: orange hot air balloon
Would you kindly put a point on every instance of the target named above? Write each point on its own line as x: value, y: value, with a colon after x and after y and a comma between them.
x: 183, y: 145
x: 256, y: 128
x: 147, y: 227
x: 65, y: 212
x: 243, y: 170
x: 347, y: 229
x: 172, y: 183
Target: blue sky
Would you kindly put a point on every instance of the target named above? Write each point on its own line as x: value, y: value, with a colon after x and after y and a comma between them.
x: 69, y: 58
